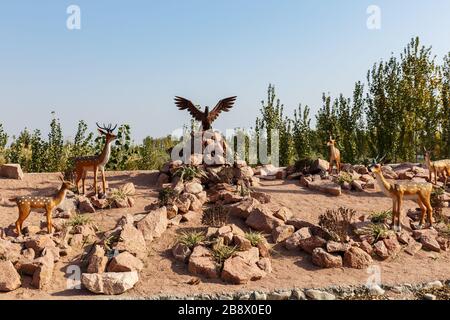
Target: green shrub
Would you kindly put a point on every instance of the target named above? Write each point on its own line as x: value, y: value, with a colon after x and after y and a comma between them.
x: 254, y: 237
x: 191, y: 238
x: 215, y: 216
x: 380, y: 216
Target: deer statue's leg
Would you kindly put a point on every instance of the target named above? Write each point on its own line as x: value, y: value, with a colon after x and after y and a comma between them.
x: 95, y: 180
x: 399, y: 213
x: 422, y: 217
x: 49, y: 220
x: 394, y: 212
x: 423, y: 210
x: 427, y: 202
x: 83, y: 181
x: 103, y: 180
x: 23, y: 215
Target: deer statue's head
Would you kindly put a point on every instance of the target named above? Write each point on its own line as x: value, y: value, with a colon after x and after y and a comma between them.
x: 66, y: 185
x: 427, y: 154
x: 107, y: 131
x: 375, y: 166
x: 331, y: 142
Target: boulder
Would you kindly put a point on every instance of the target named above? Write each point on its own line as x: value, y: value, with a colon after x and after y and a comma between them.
x: 293, y: 242
x: 357, y: 258
x: 201, y: 262
x: 261, y: 197
x: 191, y: 216
x: 128, y: 189
x: 125, y: 262
x: 261, y: 219
x: 196, y: 205
x: 99, y: 203
x: 325, y: 186
x: 9, y: 277
x: 299, y: 223
x: 29, y: 254
x: 97, y: 261
x: 430, y: 243
x: 193, y: 187
x: 281, y: 233
x: 324, y: 259
x: 39, y: 243
x: 44, y: 272
x: 181, y: 252
x: 404, y: 237
x: 430, y: 233
x: 413, y: 247
x: 319, y: 165
x: 443, y: 243
x: 11, y: 171
x: 183, y: 202
x: 264, y: 250
x: 357, y: 185
x: 84, y: 205
x: 154, y: 224
x: 284, y: 214
x: 171, y: 210
x: 133, y: 241
x: 10, y: 251
x: 265, y: 265
x: 242, y: 243
x: 366, y: 246
x: 238, y: 271
x: 392, y: 245
x: 309, y: 244
x: 333, y: 246
x: 380, y: 250
x: 244, y: 208
x: 110, y: 283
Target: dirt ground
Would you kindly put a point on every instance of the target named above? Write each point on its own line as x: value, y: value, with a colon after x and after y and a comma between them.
x: 163, y: 275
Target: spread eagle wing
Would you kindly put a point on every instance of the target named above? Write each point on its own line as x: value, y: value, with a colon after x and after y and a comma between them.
x: 185, y: 104
x: 223, y: 105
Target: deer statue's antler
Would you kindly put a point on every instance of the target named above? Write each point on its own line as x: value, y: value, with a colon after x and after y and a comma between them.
x: 107, y: 128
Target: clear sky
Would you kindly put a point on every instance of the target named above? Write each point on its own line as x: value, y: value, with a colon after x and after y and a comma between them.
x: 131, y: 58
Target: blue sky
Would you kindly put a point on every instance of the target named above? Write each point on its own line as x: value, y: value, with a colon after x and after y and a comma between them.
x: 131, y: 58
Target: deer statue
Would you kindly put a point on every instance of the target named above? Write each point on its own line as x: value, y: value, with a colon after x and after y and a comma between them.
x: 83, y: 165
x: 405, y: 190
x: 335, y: 155
x: 438, y: 168
x: 26, y: 203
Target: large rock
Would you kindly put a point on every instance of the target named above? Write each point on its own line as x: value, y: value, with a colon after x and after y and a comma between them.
x: 319, y: 165
x: 244, y: 208
x: 430, y: 243
x: 284, y: 214
x: 133, y: 241
x: 85, y: 205
x: 125, y: 262
x: 380, y: 250
x: 262, y: 219
x: 324, y: 259
x: 333, y: 246
x: 97, y: 261
x: 110, y: 283
x: 239, y: 271
x: 309, y: 244
x: 413, y: 247
x: 39, y: 243
x: 44, y: 273
x: 293, y: 242
x: 281, y: 233
x: 11, y: 171
x: 325, y: 186
x: 196, y: 205
x: 201, y: 262
x: 431, y: 233
x: 183, y: 203
x: 262, y: 197
x: 357, y: 258
x: 128, y: 189
x: 9, y: 251
x: 242, y: 243
x: 392, y: 245
x: 9, y: 278
x: 154, y: 224
x: 181, y: 252
x: 193, y: 187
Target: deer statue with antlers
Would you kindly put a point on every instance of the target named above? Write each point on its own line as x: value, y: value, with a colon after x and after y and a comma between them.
x: 26, y: 203
x: 335, y: 155
x: 83, y: 165
x: 405, y: 190
x: 437, y: 168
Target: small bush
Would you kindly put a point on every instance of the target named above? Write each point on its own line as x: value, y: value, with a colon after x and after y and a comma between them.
x: 381, y: 216
x: 166, y: 196
x: 337, y: 223
x: 215, y: 216
x: 191, y: 238
x: 222, y: 253
x: 344, y: 177
x: 378, y: 231
x: 243, y: 190
x: 188, y: 173
x: 254, y: 237
x: 79, y: 220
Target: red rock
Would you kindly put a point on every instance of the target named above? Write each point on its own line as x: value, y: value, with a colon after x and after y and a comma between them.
x: 431, y: 233
x: 10, y: 251
x: 193, y: 187
x: 413, y: 247
x: 244, y: 208
x: 84, y: 205
x: 9, y: 278
x: 39, y: 243
x: 324, y: 259
x: 357, y: 258
x: 293, y: 242
x: 366, y: 246
x: 404, y: 237
x: 333, y: 246
x: 99, y: 203
x: 201, y: 262
x: 265, y: 264
x: 264, y: 250
x: 181, y: 252
x: 171, y: 210
x: 97, y: 261
x: 283, y: 214
x: 261, y: 197
x: 191, y: 216
x: 281, y: 233
x: 110, y: 283
x: 128, y: 189
x: 242, y: 243
x: 133, y: 241
x: 392, y: 245
x: 261, y: 219
x: 183, y: 203
x: 125, y: 262
x: 44, y: 272
x: 380, y: 250
x: 154, y: 224
x: 443, y: 243
x: 196, y: 205
x: 325, y: 186
x: 430, y: 243
x: 312, y: 243
x: 236, y: 270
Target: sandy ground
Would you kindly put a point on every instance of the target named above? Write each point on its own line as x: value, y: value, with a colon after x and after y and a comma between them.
x: 162, y: 275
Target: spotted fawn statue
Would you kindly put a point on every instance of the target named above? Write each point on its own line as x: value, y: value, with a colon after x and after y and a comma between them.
x: 437, y: 168
x: 335, y: 155
x: 26, y: 203
x: 405, y: 190
x: 83, y: 165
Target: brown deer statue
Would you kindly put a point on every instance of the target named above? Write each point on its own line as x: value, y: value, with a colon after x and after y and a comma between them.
x: 398, y: 191
x: 437, y: 168
x: 335, y: 155
x: 83, y: 165
x: 26, y: 203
